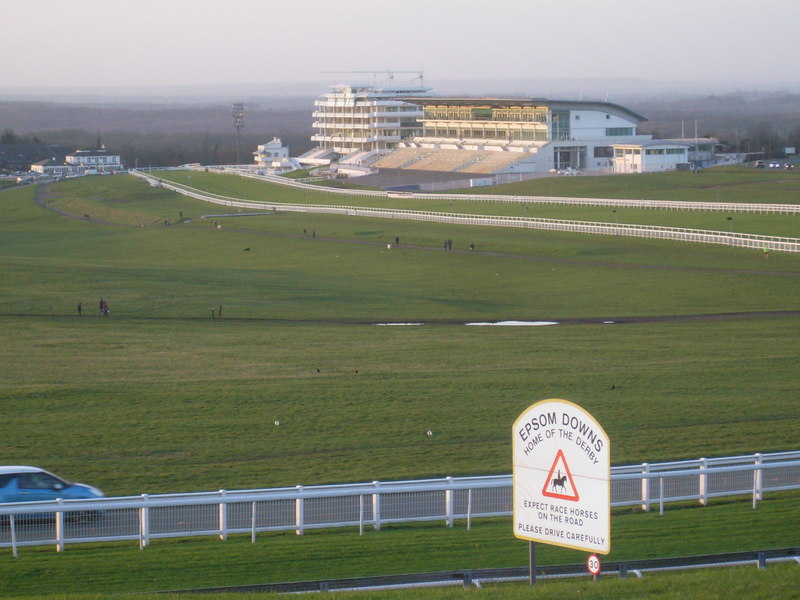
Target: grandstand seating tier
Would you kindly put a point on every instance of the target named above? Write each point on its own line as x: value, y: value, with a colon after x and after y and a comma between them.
x: 440, y: 159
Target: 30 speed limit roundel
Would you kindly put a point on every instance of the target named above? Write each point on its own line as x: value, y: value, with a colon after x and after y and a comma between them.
x: 593, y: 564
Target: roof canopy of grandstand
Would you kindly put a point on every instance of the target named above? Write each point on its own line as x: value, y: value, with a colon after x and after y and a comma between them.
x: 608, y: 107
x: 383, y: 91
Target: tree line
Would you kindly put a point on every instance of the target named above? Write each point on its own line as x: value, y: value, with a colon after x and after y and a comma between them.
x: 156, y: 135
x: 167, y: 135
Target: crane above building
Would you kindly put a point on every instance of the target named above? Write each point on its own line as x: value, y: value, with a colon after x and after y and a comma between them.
x: 388, y: 73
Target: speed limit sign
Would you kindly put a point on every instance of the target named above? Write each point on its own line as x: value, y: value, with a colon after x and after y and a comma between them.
x: 593, y: 564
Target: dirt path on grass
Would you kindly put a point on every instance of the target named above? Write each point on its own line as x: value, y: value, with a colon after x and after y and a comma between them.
x: 43, y: 196
x: 522, y: 322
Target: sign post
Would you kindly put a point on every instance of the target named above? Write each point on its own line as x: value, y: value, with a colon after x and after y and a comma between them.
x: 562, y: 478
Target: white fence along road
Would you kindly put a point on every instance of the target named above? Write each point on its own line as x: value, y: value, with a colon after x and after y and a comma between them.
x: 147, y: 517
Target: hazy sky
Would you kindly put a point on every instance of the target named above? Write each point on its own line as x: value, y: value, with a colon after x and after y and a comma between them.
x: 747, y: 43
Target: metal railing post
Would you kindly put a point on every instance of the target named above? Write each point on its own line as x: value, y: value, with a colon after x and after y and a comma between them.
x: 253, y: 523
x: 60, y: 526
x: 448, y: 502
x: 299, y: 508
x: 223, y: 516
x: 376, y: 507
x: 758, y: 479
x: 469, y: 509
x: 645, y: 488
x: 13, y: 526
x: 144, y: 524
x: 361, y: 514
x: 703, y: 482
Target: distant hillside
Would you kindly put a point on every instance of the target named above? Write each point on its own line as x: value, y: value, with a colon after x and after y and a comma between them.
x: 25, y: 117
x: 746, y: 121
x: 159, y: 134
x: 163, y: 133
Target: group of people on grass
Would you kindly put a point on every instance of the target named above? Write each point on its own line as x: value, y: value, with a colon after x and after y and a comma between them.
x: 104, y: 310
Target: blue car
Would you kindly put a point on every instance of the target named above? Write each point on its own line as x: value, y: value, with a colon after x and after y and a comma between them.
x: 31, y: 484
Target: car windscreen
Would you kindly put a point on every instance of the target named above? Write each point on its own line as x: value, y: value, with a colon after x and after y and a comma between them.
x: 41, y: 481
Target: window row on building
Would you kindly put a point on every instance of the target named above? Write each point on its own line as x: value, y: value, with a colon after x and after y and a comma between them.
x: 465, y: 131
x: 528, y: 114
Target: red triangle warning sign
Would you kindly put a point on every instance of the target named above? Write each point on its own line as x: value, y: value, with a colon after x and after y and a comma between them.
x: 559, y: 483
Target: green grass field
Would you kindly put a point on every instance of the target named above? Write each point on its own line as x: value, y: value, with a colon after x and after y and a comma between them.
x: 719, y: 184
x: 779, y: 581
x: 161, y: 397
x: 201, y: 563
x: 746, y: 186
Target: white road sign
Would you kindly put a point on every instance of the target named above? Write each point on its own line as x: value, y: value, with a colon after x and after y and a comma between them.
x: 562, y: 477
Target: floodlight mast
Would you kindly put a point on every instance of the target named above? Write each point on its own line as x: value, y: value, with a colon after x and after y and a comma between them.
x: 238, y: 123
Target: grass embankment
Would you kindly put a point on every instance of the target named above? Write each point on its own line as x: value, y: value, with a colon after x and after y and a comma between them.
x: 719, y: 184
x: 170, y: 404
x: 299, y: 174
x: 291, y: 306
x: 355, y: 399
x: 780, y: 581
x: 195, y: 563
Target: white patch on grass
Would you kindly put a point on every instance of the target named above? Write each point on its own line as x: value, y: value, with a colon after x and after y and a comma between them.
x: 516, y: 324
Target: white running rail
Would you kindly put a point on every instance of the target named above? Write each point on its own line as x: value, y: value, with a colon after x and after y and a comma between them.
x: 733, y: 207
x: 148, y: 517
x: 743, y: 240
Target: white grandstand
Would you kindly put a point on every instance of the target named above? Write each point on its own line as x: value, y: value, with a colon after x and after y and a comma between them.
x: 356, y: 124
x: 518, y: 135
x: 406, y: 128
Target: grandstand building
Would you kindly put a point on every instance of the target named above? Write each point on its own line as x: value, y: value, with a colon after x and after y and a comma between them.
x: 519, y: 135
x: 406, y: 128
x: 361, y: 122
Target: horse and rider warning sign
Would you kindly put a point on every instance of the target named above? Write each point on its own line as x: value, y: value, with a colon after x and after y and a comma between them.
x: 560, y: 486
x: 562, y: 477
